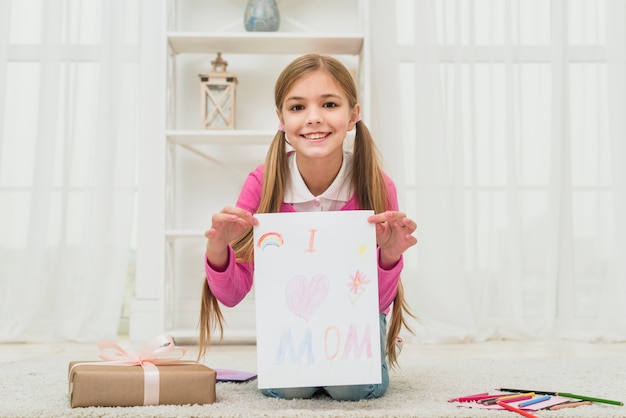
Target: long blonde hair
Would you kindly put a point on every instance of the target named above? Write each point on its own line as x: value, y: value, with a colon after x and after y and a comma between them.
x: 367, y: 179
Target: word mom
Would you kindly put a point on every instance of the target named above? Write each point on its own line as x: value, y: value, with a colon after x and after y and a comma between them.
x: 331, y: 342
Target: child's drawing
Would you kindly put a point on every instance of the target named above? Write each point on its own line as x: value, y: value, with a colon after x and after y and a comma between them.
x: 356, y: 286
x: 270, y: 238
x: 308, y: 332
x: 304, y: 296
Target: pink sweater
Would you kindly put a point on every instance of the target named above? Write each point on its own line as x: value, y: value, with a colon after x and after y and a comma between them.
x: 233, y: 284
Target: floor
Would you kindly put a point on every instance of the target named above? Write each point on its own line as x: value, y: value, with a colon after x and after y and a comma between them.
x: 490, y: 349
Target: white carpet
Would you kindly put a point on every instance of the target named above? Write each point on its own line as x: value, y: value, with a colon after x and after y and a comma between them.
x: 421, y: 388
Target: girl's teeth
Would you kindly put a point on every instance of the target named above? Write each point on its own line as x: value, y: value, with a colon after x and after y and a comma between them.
x: 315, y: 136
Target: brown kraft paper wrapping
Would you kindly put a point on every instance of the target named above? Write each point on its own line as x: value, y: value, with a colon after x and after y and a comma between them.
x: 99, y: 385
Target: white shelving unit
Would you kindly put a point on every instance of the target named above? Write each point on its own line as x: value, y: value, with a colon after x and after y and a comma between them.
x: 201, y: 171
x: 266, y: 43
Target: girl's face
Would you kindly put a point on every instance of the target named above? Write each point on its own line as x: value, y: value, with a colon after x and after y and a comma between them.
x: 316, y: 115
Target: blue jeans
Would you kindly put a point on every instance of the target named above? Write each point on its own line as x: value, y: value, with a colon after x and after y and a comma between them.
x: 343, y: 393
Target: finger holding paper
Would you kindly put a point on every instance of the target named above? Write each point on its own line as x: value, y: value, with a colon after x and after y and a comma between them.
x: 226, y: 225
x: 394, y: 235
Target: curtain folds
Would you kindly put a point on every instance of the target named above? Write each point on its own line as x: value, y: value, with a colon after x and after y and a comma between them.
x: 611, y: 323
x: 507, y: 145
x: 67, y: 183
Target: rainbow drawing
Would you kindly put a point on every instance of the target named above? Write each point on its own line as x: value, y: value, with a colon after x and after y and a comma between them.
x: 270, y: 238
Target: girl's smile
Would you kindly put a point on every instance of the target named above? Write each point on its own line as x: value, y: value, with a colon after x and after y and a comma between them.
x: 316, y: 136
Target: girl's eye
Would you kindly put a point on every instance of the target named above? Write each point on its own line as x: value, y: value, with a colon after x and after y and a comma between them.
x: 296, y: 107
x: 330, y: 105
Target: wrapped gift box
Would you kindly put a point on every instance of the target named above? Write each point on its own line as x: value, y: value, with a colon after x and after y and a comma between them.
x: 93, y: 384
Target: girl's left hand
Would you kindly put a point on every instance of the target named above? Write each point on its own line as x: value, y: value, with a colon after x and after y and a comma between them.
x: 393, y: 235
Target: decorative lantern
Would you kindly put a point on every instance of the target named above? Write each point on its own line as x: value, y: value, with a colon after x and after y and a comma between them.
x: 217, y: 89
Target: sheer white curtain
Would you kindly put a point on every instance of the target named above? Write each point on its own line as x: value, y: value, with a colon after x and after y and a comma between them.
x: 615, y: 288
x: 69, y: 86
x: 502, y: 123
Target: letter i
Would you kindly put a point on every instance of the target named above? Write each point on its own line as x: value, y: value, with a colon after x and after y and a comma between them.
x: 311, y: 248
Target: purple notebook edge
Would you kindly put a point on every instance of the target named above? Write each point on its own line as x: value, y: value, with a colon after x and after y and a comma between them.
x: 228, y: 375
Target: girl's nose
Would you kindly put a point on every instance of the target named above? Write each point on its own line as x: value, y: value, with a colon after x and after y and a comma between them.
x: 313, y: 117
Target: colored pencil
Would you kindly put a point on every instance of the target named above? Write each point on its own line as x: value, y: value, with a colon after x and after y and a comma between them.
x: 567, y: 395
x: 534, y: 401
x: 477, y: 398
x: 514, y: 409
x: 458, y: 399
x: 508, y: 398
x: 515, y: 398
x: 490, y: 398
x: 538, y: 392
x: 569, y: 405
x: 589, y: 398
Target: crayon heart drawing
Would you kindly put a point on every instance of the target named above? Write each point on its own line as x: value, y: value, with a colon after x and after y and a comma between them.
x: 304, y: 296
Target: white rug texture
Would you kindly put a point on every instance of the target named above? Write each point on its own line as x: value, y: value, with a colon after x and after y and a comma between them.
x: 420, y: 388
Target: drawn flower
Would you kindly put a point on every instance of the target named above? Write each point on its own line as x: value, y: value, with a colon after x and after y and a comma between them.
x: 357, y: 284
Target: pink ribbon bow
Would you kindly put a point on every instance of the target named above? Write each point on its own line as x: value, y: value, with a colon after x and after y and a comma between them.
x: 161, y: 351
x: 158, y: 352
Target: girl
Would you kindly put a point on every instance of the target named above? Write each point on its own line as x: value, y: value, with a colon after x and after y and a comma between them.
x: 316, y: 103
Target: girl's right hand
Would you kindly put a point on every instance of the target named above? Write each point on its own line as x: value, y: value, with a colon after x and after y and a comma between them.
x: 226, y: 225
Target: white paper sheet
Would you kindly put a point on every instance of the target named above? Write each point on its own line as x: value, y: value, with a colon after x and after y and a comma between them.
x: 316, y: 291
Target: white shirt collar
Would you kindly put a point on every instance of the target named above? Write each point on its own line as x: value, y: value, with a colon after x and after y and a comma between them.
x: 340, y: 189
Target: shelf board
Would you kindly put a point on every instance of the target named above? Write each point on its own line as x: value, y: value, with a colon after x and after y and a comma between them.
x: 265, y: 43
x: 220, y: 137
